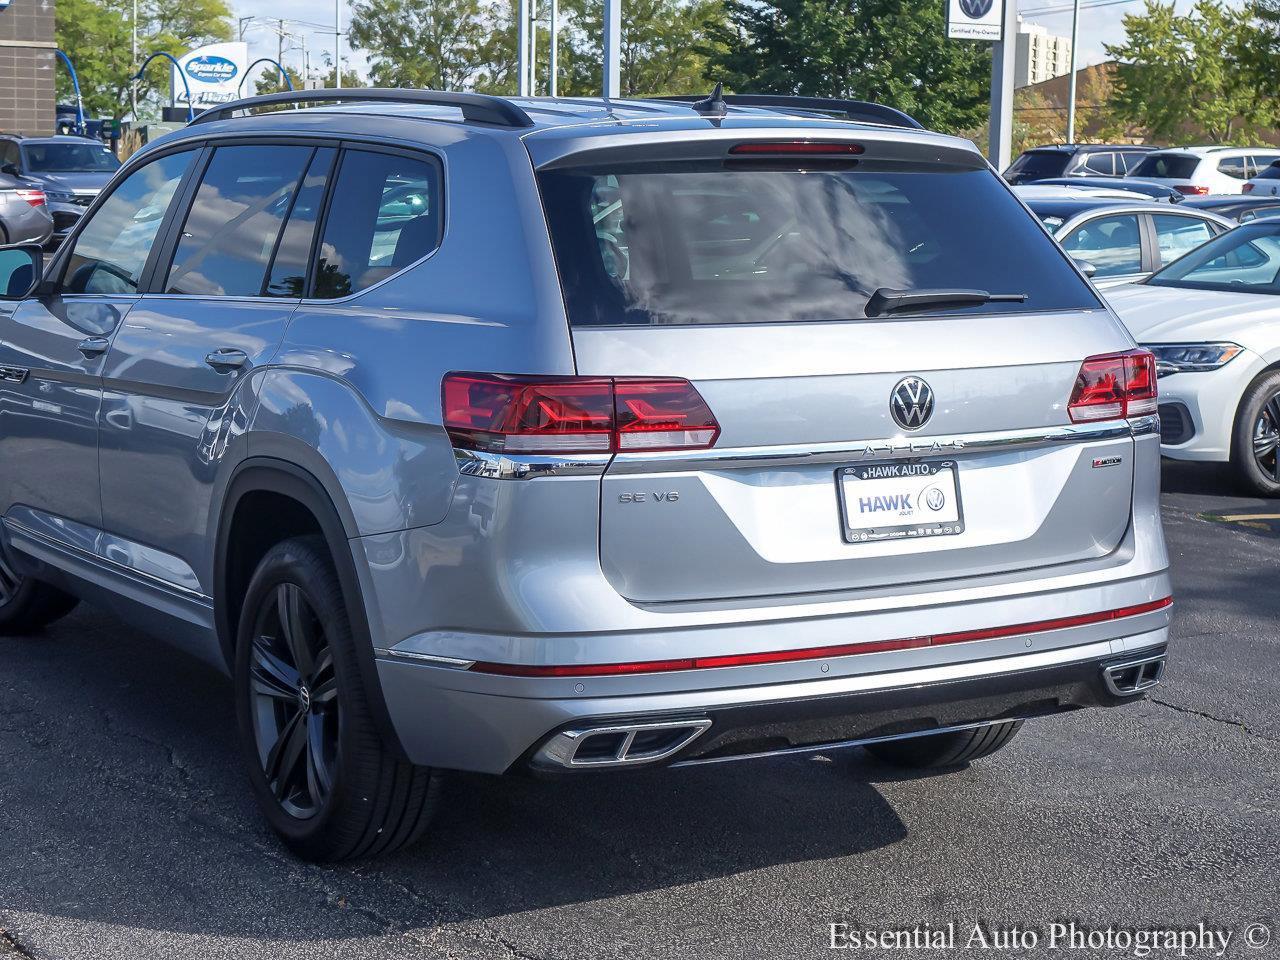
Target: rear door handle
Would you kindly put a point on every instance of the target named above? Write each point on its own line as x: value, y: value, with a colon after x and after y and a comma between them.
x: 93, y: 346
x: 226, y: 358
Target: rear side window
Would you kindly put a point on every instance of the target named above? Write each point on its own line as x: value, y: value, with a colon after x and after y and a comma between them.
x: 234, y: 222
x: 1040, y: 164
x: 1101, y: 163
x: 288, y: 277
x: 1178, y: 235
x: 1129, y: 161
x: 705, y: 243
x: 1270, y: 173
x: 1233, y: 167
x: 1167, y: 166
x: 385, y: 215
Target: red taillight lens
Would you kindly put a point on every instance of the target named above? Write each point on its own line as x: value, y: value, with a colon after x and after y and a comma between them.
x: 794, y: 148
x: 662, y: 415
x: 1190, y: 189
x: 1248, y: 188
x: 574, y: 414
x: 33, y: 197
x: 1113, y: 387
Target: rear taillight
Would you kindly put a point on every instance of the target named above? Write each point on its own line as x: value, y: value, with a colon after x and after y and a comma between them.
x: 33, y: 197
x: 1113, y: 387
x: 559, y: 415
x: 1191, y: 189
x: 1248, y: 188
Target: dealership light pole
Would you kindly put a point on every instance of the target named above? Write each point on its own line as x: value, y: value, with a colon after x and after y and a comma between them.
x: 1000, y: 141
x: 1071, y: 94
x: 522, y: 56
x: 133, y: 58
x: 555, y: 12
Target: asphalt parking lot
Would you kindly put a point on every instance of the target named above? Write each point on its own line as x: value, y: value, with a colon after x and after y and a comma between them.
x: 126, y: 830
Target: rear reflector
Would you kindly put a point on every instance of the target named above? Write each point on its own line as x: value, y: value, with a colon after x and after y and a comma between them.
x: 794, y: 148
x: 566, y: 415
x: 814, y: 653
x: 1113, y: 387
x: 1191, y: 190
x: 34, y: 198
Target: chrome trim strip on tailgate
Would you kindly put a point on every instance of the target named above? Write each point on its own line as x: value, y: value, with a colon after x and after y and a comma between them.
x: 499, y: 466
x: 895, y: 448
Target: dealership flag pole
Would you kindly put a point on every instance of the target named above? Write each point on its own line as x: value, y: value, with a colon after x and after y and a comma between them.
x: 522, y: 56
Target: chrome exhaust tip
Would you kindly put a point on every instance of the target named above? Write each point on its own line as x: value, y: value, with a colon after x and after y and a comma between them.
x: 1131, y: 677
x: 619, y: 745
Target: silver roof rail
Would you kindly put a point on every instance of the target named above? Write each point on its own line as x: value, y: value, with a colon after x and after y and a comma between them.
x: 475, y: 107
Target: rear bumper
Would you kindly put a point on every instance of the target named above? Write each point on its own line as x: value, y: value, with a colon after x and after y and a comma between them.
x: 453, y: 718
x: 1024, y: 690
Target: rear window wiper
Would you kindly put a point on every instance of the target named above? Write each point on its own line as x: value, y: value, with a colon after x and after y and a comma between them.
x: 887, y: 300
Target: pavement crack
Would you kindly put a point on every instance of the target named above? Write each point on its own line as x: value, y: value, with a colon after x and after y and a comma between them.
x: 1209, y: 716
x: 11, y: 948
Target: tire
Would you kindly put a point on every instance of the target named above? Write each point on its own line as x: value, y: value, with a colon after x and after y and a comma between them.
x: 1255, y: 440
x: 945, y: 749
x: 334, y: 791
x: 27, y: 605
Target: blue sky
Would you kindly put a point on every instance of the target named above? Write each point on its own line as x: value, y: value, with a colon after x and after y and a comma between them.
x: 1098, y: 26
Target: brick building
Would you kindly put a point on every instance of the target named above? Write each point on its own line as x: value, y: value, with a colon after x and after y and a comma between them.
x: 27, y: 96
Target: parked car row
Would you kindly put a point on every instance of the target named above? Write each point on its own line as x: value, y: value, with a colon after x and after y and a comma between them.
x: 1190, y: 171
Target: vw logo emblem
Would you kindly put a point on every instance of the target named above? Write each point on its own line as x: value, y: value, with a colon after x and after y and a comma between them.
x: 935, y: 499
x: 911, y: 403
x: 976, y: 9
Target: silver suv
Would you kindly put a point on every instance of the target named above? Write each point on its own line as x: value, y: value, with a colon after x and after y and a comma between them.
x: 499, y: 435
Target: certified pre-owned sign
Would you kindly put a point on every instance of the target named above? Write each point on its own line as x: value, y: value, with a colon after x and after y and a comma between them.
x: 974, y: 19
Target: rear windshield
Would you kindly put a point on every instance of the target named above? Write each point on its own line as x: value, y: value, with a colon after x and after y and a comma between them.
x: 703, y: 243
x: 1040, y: 164
x: 1170, y: 166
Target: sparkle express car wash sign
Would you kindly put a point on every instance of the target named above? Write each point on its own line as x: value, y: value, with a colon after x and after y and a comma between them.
x: 213, y: 74
x: 974, y: 19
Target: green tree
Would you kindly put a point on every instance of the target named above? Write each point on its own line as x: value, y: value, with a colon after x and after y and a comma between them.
x: 269, y: 79
x: 95, y: 34
x: 1262, y: 58
x: 890, y: 51
x: 1188, y: 75
x: 430, y: 44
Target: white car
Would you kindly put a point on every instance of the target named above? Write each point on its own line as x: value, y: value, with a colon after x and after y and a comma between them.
x: 1266, y: 183
x: 1212, y: 319
x: 1199, y: 171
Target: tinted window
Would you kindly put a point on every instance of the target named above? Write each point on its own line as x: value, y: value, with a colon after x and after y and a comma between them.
x: 1101, y: 163
x: 702, y: 243
x: 1179, y: 235
x: 1112, y: 244
x: 1172, y: 166
x: 289, y: 268
x: 1258, y: 163
x: 384, y: 215
x: 1130, y: 160
x: 1270, y: 173
x: 1039, y: 165
x: 1233, y: 167
x: 232, y: 227
x: 9, y: 154
x: 112, y: 247
x: 1245, y: 260
x: 70, y: 157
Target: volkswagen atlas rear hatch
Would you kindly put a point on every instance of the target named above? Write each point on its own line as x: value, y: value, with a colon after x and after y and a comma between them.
x: 844, y: 362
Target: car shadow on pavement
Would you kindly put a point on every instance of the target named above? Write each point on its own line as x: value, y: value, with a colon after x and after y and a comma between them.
x: 124, y: 803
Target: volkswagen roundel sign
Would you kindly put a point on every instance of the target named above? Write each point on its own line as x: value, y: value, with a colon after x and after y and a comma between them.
x: 975, y: 19
x: 911, y: 403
